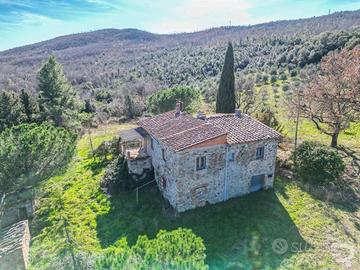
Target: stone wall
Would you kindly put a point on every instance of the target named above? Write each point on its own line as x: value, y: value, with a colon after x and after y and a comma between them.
x: 164, y: 170
x: 187, y: 188
x: 17, y: 206
x: 215, y: 184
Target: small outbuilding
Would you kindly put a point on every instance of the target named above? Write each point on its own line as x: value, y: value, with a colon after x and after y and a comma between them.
x: 14, y: 246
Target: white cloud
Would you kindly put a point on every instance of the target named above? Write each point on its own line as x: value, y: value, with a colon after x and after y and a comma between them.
x: 194, y: 15
x: 28, y: 18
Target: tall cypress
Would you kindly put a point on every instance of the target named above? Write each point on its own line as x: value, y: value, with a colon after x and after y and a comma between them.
x: 225, y: 100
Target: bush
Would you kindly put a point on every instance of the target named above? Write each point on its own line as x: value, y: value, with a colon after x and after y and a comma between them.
x: 178, y: 249
x: 317, y: 163
x: 116, y: 177
x: 273, y: 79
x: 293, y: 73
x: 165, y: 100
x: 108, y: 149
x: 103, y: 96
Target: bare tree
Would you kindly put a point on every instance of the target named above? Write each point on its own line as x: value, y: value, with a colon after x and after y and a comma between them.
x: 332, y: 99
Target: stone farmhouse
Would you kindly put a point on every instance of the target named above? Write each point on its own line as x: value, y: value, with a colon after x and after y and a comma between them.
x: 199, y: 160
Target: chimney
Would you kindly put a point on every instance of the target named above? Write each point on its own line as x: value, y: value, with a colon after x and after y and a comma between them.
x: 178, y: 108
x: 201, y: 115
x: 237, y: 113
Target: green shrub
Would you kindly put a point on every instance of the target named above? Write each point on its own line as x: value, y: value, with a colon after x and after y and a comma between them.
x: 178, y: 249
x: 317, y: 163
x: 116, y: 177
x: 293, y: 73
x: 165, y: 100
x: 108, y: 149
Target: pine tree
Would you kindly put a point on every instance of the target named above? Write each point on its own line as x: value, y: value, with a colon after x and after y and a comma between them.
x: 58, y: 101
x: 10, y: 111
x: 28, y: 105
x: 225, y: 100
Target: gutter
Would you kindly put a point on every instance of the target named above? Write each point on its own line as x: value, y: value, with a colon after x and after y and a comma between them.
x: 226, y: 172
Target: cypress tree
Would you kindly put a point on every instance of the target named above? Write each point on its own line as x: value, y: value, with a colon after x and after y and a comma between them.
x: 225, y: 100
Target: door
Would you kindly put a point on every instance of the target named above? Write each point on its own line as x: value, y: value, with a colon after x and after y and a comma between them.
x: 257, y: 182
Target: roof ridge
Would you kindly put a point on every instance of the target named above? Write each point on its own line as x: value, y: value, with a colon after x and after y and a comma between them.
x: 186, y: 130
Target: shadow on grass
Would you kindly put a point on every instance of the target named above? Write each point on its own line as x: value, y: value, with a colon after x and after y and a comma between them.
x: 353, y: 155
x: 237, y: 234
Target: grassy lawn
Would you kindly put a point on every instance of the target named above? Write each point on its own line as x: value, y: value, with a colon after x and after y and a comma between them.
x: 238, y: 234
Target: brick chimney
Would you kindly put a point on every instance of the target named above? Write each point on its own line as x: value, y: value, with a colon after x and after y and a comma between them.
x: 237, y: 113
x: 178, y: 108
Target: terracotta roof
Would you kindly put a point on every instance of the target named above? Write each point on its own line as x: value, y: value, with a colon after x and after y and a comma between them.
x: 185, y: 131
x: 243, y: 129
x: 179, y: 132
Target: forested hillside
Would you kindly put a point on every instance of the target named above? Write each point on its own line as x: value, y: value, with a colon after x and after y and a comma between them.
x: 110, y: 58
x: 107, y: 65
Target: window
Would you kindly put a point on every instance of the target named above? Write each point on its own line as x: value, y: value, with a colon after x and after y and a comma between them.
x: 260, y: 153
x: 163, y: 152
x: 152, y: 143
x: 200, y: 163
x: 231, y: 156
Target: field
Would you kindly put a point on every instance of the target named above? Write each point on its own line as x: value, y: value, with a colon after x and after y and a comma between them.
x: 283, y: 228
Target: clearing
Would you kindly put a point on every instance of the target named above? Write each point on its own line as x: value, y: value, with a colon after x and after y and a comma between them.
x: 283, y: 228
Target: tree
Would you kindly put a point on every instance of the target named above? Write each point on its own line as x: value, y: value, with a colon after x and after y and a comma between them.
x: 30, y: 153
x: 58, y: 101
x: 225, y: 100
x: 165, y: 100
x: 10, y: 110
x: 129, y: 109
x: 28, y: 106
x: 332, y: 99
x: 246, y: 96
x: 89, y: 107
x: 178, y: 249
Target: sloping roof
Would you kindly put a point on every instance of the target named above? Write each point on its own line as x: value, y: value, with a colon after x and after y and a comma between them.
x: 13, y: 237
x: 243, y: 129
x: 179, y: 132
x: 185, y: 131
x: 130, y: 135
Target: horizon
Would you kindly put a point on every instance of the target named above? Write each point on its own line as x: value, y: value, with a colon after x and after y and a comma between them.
x: 24, y: 22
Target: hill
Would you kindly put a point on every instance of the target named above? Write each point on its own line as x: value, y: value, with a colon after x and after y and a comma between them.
x: 130, y: 60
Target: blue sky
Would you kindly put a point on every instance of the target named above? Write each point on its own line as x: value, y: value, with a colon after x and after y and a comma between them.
x: 28, y: 21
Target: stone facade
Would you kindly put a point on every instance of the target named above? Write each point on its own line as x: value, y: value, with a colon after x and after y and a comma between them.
x: 17, y: 206
x: 185, y: 187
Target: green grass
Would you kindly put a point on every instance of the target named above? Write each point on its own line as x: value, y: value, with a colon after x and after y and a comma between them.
x: 238, y: 234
